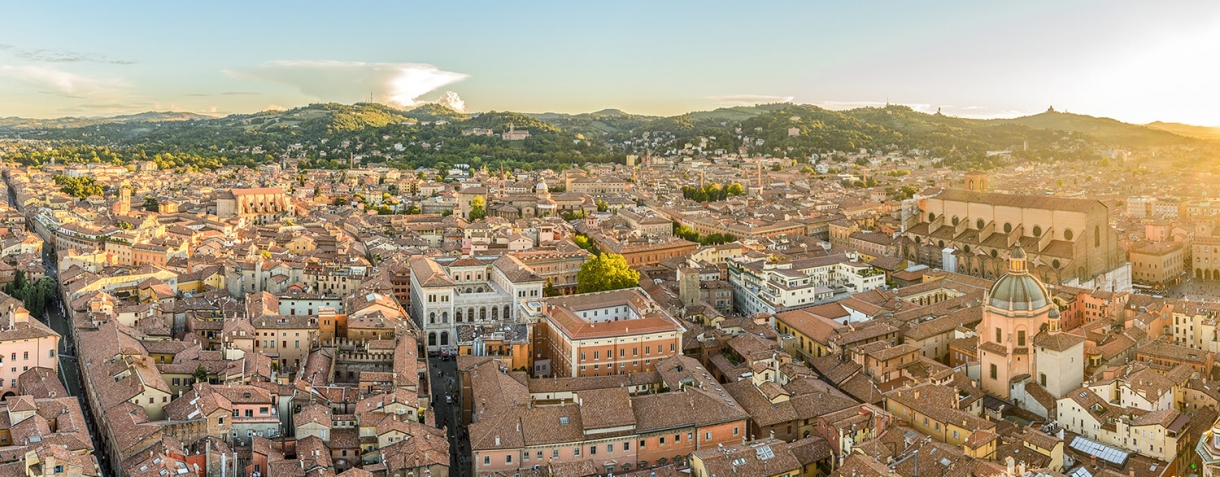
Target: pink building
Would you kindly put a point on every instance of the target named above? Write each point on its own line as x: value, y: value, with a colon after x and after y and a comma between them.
x: 24, y: 344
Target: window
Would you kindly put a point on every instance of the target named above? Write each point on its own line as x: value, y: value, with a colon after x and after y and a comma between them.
x: 707, y: 436
x: 25, y: 355
x: 220, y: 421
x: 508, y: 459
x: 643, y: 444
x: 554, y: 453
x: 993, y: 372
x: 592, y: 450
x: 525, y: 456
x: 998, y: 335
x: 626, y: 446
x: 575, y: 452
x: 1020, y: 337
x: 486, y: 460
x: 661, y: 440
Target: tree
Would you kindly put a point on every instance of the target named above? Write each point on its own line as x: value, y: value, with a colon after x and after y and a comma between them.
x: 340, y: 201
x: 735, y: 189
x: 608, y: 271
x: 583, y: 241
x: 151, y: 204
x: 78, y: 187
x: 476, y: 208
x: 412, y: 210
x: 549, y: 289
x: 200, y: 374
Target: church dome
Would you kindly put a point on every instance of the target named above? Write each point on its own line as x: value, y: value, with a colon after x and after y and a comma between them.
x: 1018, y: 290
x: 541, y: 187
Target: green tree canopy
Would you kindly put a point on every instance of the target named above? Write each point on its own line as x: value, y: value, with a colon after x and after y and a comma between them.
x: 476, y: 208
x: 608, y: 271
x: 200, y: 374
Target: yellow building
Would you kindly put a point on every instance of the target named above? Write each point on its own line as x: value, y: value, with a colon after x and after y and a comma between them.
x: 932, y: 409
x: 1157, y: 263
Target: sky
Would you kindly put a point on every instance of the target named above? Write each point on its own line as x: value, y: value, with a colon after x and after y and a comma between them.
x: 1135, y: 61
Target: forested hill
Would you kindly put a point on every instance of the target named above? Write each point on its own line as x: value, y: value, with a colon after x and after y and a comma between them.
x: 327, y: 134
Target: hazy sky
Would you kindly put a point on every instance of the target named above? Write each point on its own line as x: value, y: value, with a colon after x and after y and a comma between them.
x: 1134, y: 61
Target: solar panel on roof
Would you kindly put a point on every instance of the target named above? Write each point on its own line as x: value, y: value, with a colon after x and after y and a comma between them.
x: 1107, y: 453
x: 765, y: 453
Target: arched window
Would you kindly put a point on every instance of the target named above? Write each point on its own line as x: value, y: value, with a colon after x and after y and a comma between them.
x: 1055, y: 263
x: 942, y: 243
x: 967, y: 249
x: 507, y: 315
x: 444, y: 338
x: 495, y: 313
x: 457, y: 315
x: 993, y: 253
x: 432, y: 317
x: 470, y: 314
x: 1067, y: 234
x: 1037, y: 231
x: 955, y: 221
x: 1007, y: 228
x: 444, y: 317
x: 931, y: 217
x: 483, y: 314
x: 979, y: 223
x: 431, y: 339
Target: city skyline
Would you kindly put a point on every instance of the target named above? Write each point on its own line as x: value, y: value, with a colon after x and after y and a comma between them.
x: 1115, y: 59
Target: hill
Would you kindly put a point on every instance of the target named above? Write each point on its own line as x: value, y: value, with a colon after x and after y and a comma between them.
x: 1103, y: 129
x: 18, y: 124
x: 1208, y: 133
x: 325, y: 134
x: 435, y: 112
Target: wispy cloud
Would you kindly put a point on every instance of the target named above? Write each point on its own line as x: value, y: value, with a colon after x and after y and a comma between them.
x: 346, y: 81
x: 748, y: 99
x: 63, y: 83
x: 46, y: 55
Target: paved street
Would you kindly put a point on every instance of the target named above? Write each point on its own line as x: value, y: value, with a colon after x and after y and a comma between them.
x: 1193, y: 289
x: 445, y: 383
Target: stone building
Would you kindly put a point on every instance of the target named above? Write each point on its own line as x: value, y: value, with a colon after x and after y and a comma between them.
x: 1069, y: 241
x: 264, y: 205
x: 1020, y: 339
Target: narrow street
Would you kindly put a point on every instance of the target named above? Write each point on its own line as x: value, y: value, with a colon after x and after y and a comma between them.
x: 449, y: 415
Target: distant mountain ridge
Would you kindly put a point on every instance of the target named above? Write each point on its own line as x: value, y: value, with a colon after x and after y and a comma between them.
x: 16, y: 123
x: 436, y: 134
x: 1209, y: 133
x: 613, y: 120
x: 1104, y: 129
